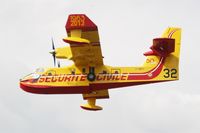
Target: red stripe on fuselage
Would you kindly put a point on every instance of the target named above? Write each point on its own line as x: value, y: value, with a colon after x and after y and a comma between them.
x: 148, y: 75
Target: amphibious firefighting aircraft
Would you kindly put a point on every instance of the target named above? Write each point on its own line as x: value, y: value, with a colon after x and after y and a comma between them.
x: 90, y: 77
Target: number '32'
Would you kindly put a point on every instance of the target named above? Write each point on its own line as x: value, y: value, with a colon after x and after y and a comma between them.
x: 170, y: 73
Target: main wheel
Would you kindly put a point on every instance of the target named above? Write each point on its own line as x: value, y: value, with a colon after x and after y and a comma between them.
x: 91, y: 77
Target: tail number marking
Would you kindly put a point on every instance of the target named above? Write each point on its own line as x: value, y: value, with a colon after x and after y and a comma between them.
x: 77, y: 20
x: 170, y: 73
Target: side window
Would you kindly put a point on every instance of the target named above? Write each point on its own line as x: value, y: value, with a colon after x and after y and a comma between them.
x: 73, y: 71
x: 115, y: 71
x: 104, y: 72
x: 84, y: 70
x: 50, y: 73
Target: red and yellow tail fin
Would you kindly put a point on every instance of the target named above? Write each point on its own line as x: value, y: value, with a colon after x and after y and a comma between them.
x: 171, y: 65
x: 168, y: 48
x: 174, y: 33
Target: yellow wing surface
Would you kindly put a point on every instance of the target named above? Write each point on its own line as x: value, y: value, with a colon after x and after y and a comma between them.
x: 84, y: 41
x: 85, y: 49
x: 91, y: 99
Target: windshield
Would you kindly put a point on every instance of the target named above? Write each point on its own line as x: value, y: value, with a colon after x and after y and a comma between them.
x: 39, y: 70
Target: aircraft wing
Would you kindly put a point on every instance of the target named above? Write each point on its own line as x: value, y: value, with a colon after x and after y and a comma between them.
x: 100, y: 94
x: 84, y: 42
x: 91, y: 99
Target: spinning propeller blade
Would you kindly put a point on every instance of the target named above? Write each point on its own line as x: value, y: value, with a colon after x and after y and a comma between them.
x: 58, y: 63
x: 53, y: 52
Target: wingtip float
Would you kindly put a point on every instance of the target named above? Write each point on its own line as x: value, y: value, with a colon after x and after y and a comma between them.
x: 90, y: 77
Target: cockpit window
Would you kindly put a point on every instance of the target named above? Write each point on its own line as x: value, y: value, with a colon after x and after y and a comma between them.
x: 35, y: 76
x: 50, y: 73
x: 39, y: 70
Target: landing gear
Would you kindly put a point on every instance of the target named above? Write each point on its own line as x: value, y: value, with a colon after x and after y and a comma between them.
x: 91, y: 75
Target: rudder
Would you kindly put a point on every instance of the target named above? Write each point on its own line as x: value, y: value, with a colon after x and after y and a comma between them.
x: 171, y: 65
x: 174, y: 33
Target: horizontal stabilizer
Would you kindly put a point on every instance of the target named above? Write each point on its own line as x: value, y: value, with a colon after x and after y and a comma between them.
x: 76, y: 40
x: 163, y: 46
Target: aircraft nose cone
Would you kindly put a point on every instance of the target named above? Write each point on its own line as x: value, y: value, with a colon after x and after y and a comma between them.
x: 52, y: 52
x: 26, y: 86
x: 26, y: 83
x: 23, y: 85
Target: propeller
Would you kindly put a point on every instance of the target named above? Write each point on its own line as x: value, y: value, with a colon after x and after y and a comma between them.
x: 58, y: 63
x: 53, y: 52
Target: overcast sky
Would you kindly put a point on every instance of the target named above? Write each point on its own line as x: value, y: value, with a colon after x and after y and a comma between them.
x: 126, y: 29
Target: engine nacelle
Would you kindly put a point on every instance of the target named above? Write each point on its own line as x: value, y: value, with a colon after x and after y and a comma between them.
x: 63, y: 53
